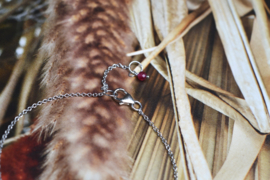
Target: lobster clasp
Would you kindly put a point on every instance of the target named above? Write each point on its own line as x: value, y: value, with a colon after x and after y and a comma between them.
x: 127, y: 99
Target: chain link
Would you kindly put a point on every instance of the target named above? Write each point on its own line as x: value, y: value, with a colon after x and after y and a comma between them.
x: 163, y: 140
x: 105, y: 92
x: 105, y: 86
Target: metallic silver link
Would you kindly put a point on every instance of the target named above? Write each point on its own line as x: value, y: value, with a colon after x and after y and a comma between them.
x: 164, y: 141
x: 105, y: 86
x: 131, y: 72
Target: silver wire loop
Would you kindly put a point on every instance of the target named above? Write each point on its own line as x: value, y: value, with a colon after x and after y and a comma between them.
x: 136, y: 109
x: 131, y: 72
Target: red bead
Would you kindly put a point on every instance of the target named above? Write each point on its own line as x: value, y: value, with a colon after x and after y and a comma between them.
x: 142, y: 76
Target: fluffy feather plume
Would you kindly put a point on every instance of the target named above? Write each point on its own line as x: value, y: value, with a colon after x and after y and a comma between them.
x: 83, y: 38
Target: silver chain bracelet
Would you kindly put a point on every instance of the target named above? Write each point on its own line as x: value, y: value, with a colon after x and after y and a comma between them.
x: 125, y: 100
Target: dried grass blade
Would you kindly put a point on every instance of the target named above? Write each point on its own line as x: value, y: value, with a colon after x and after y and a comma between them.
x: 260, y: 50
x: 239, y: 62
x: 215, y: 102
x: 195, y: 80
x: 238, y: 104
x: 176, y: 31
x: 263, y: 24
x: 243, y: 7
x: 182, y: 107
x: 266, y: 7
x: 141, y: 23
x: 245, y: 137
x: 19, y: 67
x: 263, y: 162
x: 167, y: 17
x: 230, y: 99
x: 6, y: 94
x: 247, y: 141
x: 28, y: 82
x: 254, y: 63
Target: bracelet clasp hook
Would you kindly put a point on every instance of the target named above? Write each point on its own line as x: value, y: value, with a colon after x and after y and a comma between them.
x: 127, y: 99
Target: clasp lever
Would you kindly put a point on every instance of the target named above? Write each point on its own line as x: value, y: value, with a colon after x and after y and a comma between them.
x: 127, y: 99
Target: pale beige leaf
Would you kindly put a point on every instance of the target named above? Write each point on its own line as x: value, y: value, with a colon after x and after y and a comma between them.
x: 259, y: 49
x: 141, y: 23
x: 6, y: 94
x: 247, y: 142
x: 263, y: 162
x: 263, y: 24
x: 239, y: 62
x: 193, y: 4
x: 28, y: 82
x: 254, y: 63
x: 167, y: 16
x: 243, y: 7
x: 176, y: 31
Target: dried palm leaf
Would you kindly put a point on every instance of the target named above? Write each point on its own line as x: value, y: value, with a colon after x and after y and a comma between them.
x: 221, y: 136
x: 7, y: 93
x: 176, y: 69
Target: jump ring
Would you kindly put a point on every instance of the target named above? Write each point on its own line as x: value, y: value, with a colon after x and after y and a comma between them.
x: 133, y: 72
x: 136, y: 109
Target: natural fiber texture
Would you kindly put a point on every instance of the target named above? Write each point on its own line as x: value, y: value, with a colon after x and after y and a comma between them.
x: 89, y: 134
x: 222, y: 63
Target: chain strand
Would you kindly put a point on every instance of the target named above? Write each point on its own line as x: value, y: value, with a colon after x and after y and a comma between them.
x: 105, y: 87
x: 163, y: 140
x: 105, y: 90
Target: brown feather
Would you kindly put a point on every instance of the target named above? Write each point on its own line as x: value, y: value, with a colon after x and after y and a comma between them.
x: 83, y: 38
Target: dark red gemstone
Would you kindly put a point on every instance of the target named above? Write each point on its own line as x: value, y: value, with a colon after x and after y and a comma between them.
x: 142, y: 76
